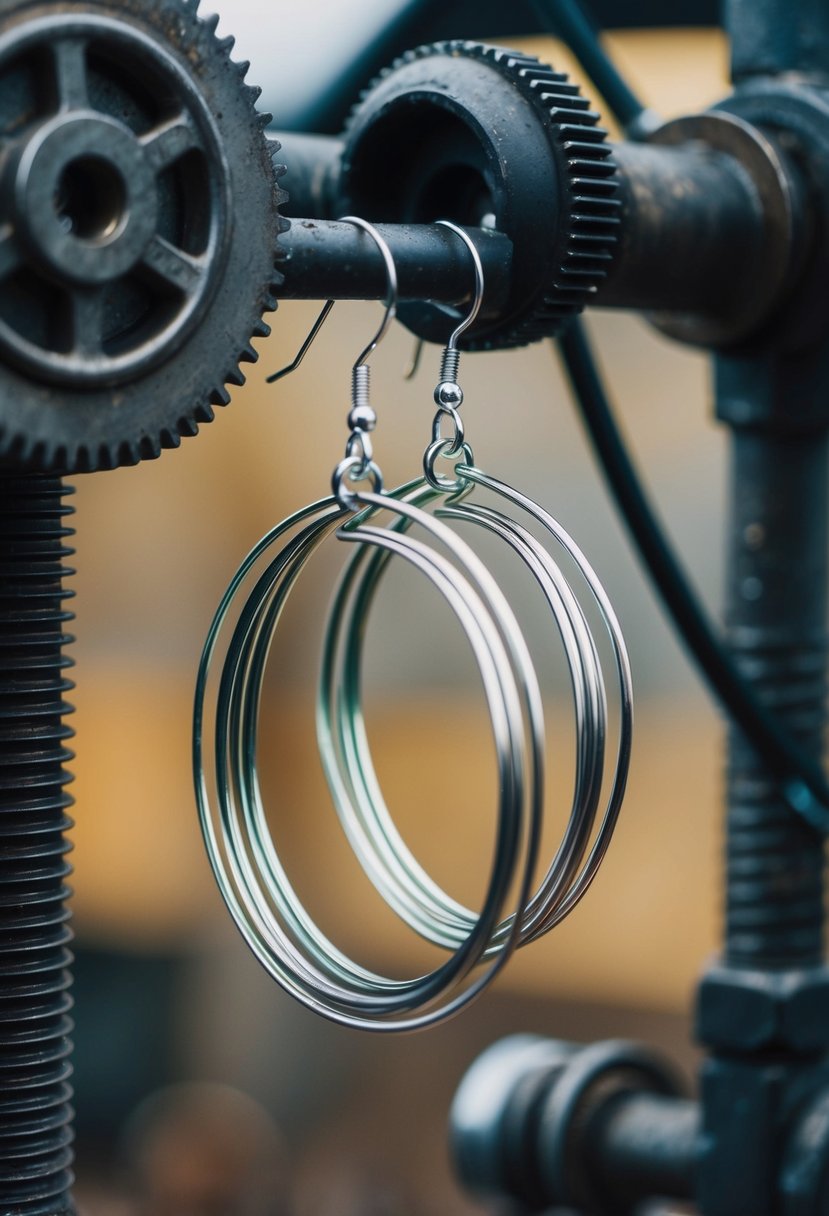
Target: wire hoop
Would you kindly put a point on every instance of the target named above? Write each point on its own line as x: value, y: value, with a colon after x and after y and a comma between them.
x: 252, y: 880
x: 346, y: 755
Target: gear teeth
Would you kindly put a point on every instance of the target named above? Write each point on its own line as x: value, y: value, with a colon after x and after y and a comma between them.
x: 590, y: 207
x: 203, y: 54
x: 170, y: 439
x: 220, y: 396
x: 149, y: 448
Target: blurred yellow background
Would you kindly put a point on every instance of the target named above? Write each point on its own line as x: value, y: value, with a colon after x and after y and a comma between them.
x: 157, y: 545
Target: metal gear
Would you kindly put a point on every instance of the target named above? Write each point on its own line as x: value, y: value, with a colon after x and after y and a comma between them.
x: 490, y: 137
x: 138, y: 228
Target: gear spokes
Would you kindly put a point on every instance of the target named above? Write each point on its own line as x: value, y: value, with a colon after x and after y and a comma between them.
x: 138, y: 229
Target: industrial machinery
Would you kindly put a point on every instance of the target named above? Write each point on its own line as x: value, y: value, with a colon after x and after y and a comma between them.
x: 143, y: 237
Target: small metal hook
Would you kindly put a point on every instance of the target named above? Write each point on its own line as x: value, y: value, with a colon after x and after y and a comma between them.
x: 448, y: 394
x: 391, y: 281
x: 391, y: 305
x: 410, y: 370
x: 303, y: 350
x: 362, y: 419
x: 471, y: 316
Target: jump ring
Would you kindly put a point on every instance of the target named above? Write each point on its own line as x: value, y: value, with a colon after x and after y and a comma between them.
x: 353, y: 469
x: 455, y: 441
x: 436, y: 449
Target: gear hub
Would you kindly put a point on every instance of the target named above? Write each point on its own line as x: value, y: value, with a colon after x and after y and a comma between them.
x: 492, y: 138
x: 138, y: 229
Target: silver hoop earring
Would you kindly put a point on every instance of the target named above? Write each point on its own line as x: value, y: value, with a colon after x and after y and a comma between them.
x: 251, y: 877
x: 343, y: 745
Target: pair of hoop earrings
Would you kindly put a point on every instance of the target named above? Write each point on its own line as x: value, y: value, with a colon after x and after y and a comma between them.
x: 426, y: 515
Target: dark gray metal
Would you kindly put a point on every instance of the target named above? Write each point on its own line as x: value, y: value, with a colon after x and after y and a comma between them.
x: 35, y: 937
x: 326, y: 258
x: 641, y: 1144
x: 140, y: 223
x: 312, y: 169
x: 490, y: 138
x: 776, y: 622
x: 593, y: 1128
x: 83, y: 220
x: 712, y: 229
x: 804, y: 1178
x: 769, y: 37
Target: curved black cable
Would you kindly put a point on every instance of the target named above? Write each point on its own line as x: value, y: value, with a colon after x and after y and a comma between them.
x: 569, y: 20
x: 801, y: 781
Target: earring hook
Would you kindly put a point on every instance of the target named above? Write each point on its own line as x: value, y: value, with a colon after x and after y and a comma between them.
x: 391, y: 284
x: 391, y: 305
x: 306, y: 345
x: 471, y: 316
x: 362, y: 419
x: 448, y: 393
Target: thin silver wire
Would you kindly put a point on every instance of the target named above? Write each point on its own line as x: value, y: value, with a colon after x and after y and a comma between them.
x: 226, y: 738
x: 346, y: 755
x: 306, y: 345
x: 251, y: 878
x: 391, y: 283
x: 478, y: 299
x: 390, y: 313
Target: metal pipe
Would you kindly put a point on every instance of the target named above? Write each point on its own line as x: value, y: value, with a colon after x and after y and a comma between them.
x: 324, y: 259
x: 712, y: 225
x: 642, y: 1145
x: 313, y: 165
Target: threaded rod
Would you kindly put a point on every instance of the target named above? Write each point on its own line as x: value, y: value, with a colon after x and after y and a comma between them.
x: 35, y: 1001
x: 777, y: 628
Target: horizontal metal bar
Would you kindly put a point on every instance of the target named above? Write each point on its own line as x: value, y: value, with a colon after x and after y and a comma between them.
x: 329, y: 259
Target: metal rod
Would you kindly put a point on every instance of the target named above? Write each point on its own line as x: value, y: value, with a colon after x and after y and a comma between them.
x: 641, y: 1144
x: 776, y: 620
x: 325, y: 259
x: 313, y: 166
x: 35, y: 1000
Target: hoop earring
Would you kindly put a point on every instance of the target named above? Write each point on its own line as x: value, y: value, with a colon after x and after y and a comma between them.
x: 251, y: 877
x: 343, y: 744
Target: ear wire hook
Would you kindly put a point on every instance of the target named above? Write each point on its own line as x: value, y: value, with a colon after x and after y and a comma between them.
x: 362, y: 419
x: 448, y: 393
x: 303, y: 350
x: 452, y: 344
x: 391, y: 305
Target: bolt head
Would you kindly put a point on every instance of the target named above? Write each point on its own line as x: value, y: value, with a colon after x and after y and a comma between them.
x: 751, y: 1010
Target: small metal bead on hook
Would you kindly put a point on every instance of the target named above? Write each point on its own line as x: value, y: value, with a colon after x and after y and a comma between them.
x: 362, y: 418
x: 448, y: 393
